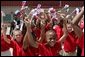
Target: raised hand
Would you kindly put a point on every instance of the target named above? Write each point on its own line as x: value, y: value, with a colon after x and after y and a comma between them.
x: 27, y: 22
x: 82, y: 8
x: 43, y: 23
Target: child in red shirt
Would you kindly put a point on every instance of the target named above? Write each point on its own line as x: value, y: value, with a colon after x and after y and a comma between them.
x: 52, y: 45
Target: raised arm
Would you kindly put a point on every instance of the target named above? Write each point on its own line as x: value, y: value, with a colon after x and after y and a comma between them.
x: 78, y: 17
x: 3, y: 31
x: 77, y: 30
x: 75, y: 22
x: 65, y: 33
x: 28, y: 36
x: 42, y: 31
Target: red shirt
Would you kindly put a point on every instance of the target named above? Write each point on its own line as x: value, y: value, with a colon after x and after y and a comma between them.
x: 70, y: 42
x: 19, y: 43
x: 47, y: 27
x: 58, y: 30
x: 17, y: 51
x: 80, y: 43
x: 4, y: 45
x: 40, y: 51
x: 55, y: 49
x: 82, y: 54
x: 27, y: 52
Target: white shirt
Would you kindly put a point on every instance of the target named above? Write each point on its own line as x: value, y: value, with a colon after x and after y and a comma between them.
x: 8, y: 52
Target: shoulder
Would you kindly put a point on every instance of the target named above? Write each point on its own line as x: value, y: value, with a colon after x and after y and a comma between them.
x: 13, y: 43
x: 40, y: 45
x: 56, y: 27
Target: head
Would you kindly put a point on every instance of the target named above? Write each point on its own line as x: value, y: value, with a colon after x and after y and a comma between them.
x: 69, y: 27
x: 17, y: 35
x: 51, y: 37
x: 81, y: 23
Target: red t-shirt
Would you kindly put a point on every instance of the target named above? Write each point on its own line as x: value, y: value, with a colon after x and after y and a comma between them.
x: 47, y: 27
x: 54, y: 51
x: 27, y: 52
x: 4, y: 45
x: 80, y: 43
x: 70, y: 42
x: 82, y: 54
x: 40, y: 51
x: 58, y: 30
x: 17, y: 50
x: 20, y: 44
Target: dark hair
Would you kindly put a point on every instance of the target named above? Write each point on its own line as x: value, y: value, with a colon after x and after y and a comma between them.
x: 61, y: 23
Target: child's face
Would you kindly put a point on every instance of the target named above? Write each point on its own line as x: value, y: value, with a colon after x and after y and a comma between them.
x: 51, y: 38
x: 18, y: 35
x: 69, y: 27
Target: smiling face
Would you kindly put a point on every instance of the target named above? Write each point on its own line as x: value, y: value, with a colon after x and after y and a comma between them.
x: 51, y: 37
x: 69, y: 28
x: 18, y: 35
x: 81, y: 24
